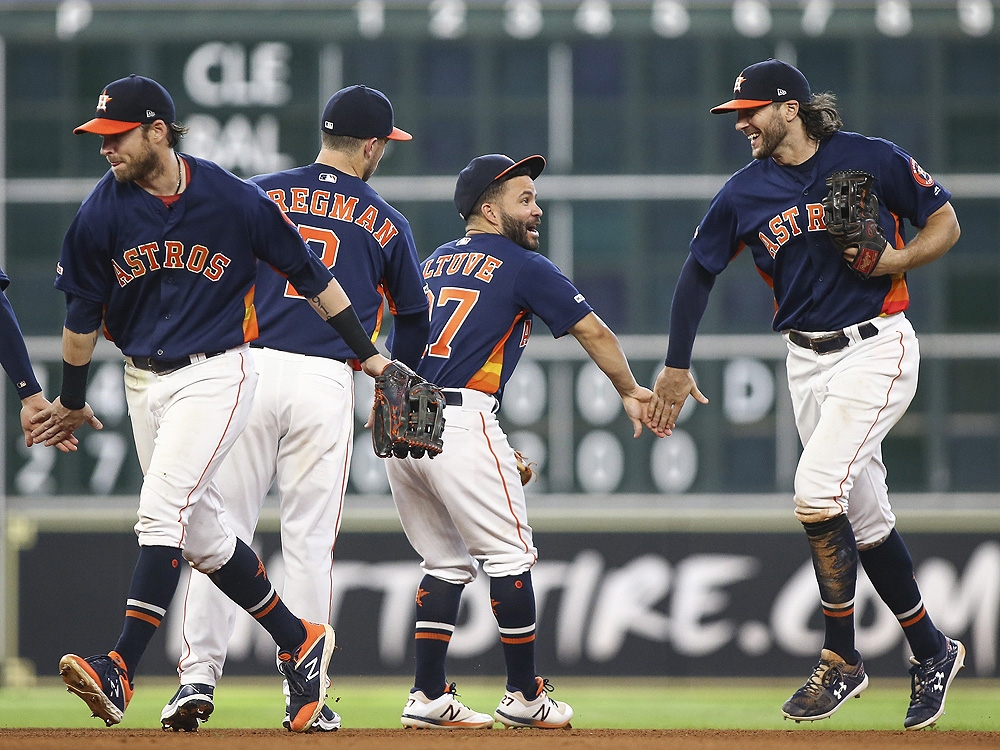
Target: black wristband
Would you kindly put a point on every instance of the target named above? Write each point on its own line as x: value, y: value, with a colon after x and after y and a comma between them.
x: 349, y: 328
x: 74, y: 386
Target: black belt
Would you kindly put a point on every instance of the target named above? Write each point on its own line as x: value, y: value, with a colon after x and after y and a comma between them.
x: 833, y: 342
x: 166, y: 366
x: 452, y: 398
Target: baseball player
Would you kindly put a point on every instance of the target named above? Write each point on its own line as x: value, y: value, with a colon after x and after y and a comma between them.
x: 301, y: 427
x: 162, y: 256
x: 852, y: 357
x: 467, y: 507
x: 16, y: 363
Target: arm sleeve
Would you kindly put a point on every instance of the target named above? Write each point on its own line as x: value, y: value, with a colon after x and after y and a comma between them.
x: 688, y: 305
x: 409, y: 337
x: 13, y: 352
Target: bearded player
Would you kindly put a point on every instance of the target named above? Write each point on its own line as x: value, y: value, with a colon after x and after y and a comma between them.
x: 852, y: 356
x: 466, y: 508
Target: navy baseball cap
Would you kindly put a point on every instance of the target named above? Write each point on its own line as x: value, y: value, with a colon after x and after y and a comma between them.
x: 482, y: 171
x: 361, y: 112
x: 128, y: 103
x: 764, y: 83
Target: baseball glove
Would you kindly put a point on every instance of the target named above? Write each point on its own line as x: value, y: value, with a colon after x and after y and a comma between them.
x: 409, y: 414
x: 850, y: 210
x: 525, y: 467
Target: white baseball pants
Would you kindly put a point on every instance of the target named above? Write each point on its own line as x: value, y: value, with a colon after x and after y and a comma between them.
x: 300, y: 434
x: 184, y: 424
x: 845, y: 403
x: 466, y: 505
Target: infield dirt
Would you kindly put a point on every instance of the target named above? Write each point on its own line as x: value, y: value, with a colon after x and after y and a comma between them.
x: 578, y: 739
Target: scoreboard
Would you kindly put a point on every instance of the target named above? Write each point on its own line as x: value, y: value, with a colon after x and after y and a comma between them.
x: 616, y: 95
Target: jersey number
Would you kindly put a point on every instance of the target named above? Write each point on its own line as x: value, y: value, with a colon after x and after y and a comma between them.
x: 326, y: 241
x: 466, y: 299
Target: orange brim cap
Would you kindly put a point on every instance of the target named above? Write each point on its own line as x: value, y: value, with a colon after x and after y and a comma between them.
x: 399, y: 135
x: 734, y: 104
x: 104, y: 126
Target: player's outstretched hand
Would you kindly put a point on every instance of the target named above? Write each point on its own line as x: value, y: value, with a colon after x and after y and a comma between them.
x: 672, y: 388
x: 637, y: 405
x: 55, y: 424
x: 31, y: 406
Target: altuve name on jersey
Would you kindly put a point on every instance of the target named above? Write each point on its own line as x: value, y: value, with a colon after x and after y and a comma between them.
x: 148, y: 257
x: 784, y: 226
x: 479, y: 265
x: 332, y: 206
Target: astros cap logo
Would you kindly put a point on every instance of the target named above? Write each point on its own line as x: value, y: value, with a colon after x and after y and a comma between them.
x: 102, y: 101
x: 739, y: 82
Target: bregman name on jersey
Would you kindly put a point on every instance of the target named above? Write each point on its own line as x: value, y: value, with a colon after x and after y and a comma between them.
x: 337, y: 206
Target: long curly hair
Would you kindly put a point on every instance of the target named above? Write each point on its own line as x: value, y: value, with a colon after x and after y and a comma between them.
x: 819, y: 115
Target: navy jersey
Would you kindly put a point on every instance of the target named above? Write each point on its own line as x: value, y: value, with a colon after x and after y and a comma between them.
x: 777, y: 212
x: 484, y: 290
x: 366, y: 242
x: 13, y: 353
x: 180, y: 280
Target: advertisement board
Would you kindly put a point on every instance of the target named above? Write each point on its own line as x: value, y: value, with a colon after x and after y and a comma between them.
x: 609, y: 603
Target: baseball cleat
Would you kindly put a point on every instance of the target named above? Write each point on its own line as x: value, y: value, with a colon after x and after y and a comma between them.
x: 101, y: 681
x: 831, y: 683
x: 191, y: 705
x: 444, y: 712
x: 541, y: 712
x: 305, y: 671
x: 327, y: 721
x: 929, y: 681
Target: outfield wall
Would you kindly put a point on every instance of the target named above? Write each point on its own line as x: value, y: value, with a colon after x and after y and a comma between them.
x: 636, y: 594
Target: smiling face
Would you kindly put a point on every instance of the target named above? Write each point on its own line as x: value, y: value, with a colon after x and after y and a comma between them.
x: 765, y: 127
x: 519, y: 213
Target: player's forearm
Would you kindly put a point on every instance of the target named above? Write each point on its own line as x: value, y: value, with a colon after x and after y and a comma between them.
x: 14, y: 354
x: 605, y: 350
x: 78, y: 348
x: 694, y: 285
x: 936, y: 238
x: 330, y: 301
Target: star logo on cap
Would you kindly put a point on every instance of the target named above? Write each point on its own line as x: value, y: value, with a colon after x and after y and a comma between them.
x: 102, y: 101
x: 740, y: 80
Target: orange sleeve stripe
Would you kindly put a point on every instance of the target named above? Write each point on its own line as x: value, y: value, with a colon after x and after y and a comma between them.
x: 432, y: 636
x: 155, y: 621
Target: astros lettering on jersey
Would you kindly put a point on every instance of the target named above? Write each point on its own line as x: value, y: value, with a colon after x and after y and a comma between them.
x: 159, y: 277
x: 814, y: 290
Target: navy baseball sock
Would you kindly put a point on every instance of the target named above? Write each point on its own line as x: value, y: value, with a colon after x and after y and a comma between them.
x: 244, y: 580
x: 513, y: 601
x: 154, y: 581
x: 436, y: 615
x: 890, y: 569
x: 835, y: 560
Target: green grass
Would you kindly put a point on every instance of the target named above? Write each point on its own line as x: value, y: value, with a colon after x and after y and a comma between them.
x: 973, y: 705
